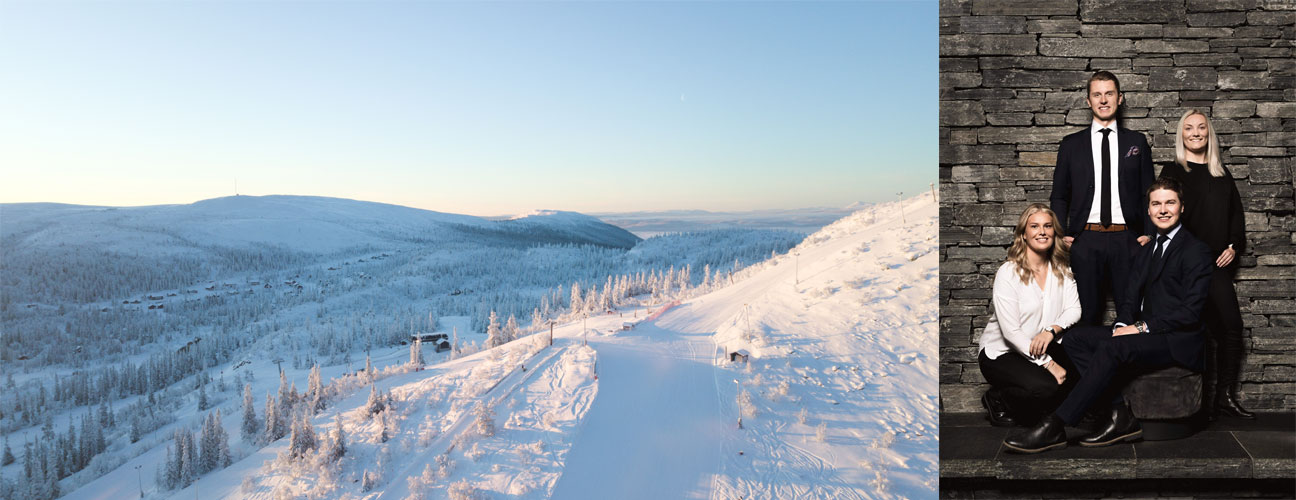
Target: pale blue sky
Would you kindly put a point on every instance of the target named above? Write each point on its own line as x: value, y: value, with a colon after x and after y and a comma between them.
x: 477, y: 108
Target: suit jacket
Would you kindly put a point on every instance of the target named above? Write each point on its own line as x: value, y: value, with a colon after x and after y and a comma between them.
x: 1074, y: 184
x: 1172, y: 293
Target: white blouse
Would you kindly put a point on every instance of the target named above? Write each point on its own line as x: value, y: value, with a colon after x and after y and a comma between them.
x: 1022, y: 310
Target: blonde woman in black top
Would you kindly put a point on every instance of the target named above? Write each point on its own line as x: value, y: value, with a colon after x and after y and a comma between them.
x: 1213, y: 213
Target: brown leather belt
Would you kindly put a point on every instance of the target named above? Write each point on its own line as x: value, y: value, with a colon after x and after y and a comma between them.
x: 1105, y: 229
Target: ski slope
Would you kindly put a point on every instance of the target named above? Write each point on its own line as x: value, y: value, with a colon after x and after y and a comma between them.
x: 656, y: 426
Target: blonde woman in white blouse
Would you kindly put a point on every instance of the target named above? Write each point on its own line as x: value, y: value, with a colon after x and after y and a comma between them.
x: 1035, y: 300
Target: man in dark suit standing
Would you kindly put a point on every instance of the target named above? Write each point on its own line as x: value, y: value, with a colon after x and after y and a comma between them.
x: 1158, y: 324
x: 1099, y: 182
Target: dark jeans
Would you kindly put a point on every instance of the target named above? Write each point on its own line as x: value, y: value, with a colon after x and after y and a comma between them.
x: 1029, y: 390
x: 1098, y: 356
x: 1098, y: 257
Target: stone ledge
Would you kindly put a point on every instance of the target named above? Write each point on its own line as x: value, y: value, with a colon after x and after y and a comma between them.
x: 1227, y: 449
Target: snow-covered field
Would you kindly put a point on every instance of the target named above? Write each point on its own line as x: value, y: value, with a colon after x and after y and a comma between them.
x: 837, y: 398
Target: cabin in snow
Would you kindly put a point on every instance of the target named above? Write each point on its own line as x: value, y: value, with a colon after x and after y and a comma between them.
x: 740, y: 355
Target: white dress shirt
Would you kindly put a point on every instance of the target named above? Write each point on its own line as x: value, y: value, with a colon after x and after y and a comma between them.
x: 1022, y: 310
x: 1095, y: 211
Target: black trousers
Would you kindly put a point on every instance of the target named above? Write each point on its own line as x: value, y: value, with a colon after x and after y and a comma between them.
x: 1028, y: 389
x: 1098, y: 257
x: 1224, y: 322
x: 1098, y: 356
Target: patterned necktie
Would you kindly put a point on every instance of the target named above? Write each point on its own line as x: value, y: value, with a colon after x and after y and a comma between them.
x: 1106, y: 211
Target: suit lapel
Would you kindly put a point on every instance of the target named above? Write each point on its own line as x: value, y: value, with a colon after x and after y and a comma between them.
x: 1087, y: 162
x: 1126, y: 165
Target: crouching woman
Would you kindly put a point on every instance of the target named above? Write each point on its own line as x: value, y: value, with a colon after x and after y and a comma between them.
x: 1035, y: 300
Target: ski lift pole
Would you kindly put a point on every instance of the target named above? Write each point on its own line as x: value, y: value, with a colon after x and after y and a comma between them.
x: 737, y: 397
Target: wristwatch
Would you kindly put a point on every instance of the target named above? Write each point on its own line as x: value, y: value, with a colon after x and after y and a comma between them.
x: 1051, y: 330
x: 1142, y: 326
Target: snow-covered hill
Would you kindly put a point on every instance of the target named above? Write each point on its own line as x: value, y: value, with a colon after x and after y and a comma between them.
x: 306, y: 224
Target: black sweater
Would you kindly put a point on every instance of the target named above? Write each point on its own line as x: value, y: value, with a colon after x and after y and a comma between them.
x: 1212, y: 207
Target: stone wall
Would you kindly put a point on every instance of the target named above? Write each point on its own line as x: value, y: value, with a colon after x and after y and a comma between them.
x: 1012, y: 80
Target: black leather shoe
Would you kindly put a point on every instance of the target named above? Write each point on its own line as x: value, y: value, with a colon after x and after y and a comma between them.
x: 1123, y: 427
x: 1226, y: 403
x: 998, y: 411
x: 1048, y: 434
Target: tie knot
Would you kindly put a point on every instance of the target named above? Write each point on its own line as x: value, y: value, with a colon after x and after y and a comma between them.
x: 1105, y: 131
x: 1161, y: 239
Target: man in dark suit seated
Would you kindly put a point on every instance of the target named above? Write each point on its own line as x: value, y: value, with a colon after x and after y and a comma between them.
x: 1158, y: 324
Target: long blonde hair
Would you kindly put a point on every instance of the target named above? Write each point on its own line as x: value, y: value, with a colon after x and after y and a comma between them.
x: 1213, y: 162
x: 1059, y: 256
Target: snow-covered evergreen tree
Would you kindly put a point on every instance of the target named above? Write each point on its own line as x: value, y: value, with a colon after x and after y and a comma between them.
x: 8, y: 453
x: 537, y: 321
x: 170, y: 473
x: 485, y: 421
x: 591, y: 300
x: 337, y: 447
x: 214, y: 453
x: 303, y: 435
x: 223, y: 456
x: 315, y: 396
x: 606, y: 297
x: 136, y: 429
x: 186, y: 457
x: 454, y: 342
x: 287, y: 403
x: 494, y: 336
x: 252, y: 426
x: 202, y: 398
x: 577, y: 304
x: 511, y: 330
x: 275, y: 423
x: 375, y: 404
x: 416, y: 354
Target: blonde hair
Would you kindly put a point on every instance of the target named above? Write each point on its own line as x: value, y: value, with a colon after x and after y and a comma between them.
x: 1059, y: 256
x: 1213, y: 162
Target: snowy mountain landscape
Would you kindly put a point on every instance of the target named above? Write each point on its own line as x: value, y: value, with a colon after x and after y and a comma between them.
x: 303, y: 347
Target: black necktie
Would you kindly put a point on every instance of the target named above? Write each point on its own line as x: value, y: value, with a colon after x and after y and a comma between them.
x: 1161, y: 239
x: 1106, y: 213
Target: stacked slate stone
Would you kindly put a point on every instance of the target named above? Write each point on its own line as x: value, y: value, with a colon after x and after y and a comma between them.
x: 1012, y: 78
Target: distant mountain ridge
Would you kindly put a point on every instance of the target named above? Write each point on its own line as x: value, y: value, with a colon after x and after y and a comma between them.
x: 309, y: 224
x: 654, y: 222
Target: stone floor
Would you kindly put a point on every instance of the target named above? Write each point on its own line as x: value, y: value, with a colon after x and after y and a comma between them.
x: 1229, y: 453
